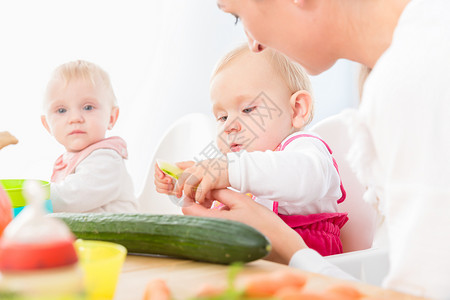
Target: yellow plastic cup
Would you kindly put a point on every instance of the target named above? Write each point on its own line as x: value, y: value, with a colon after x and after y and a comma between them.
x: 101, y: 263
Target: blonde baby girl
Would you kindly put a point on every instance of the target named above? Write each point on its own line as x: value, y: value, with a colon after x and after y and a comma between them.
x: 80, y: 106
x: 262, y: 103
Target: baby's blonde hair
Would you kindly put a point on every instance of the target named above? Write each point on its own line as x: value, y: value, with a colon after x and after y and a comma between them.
x: 291, y: 73
x: 90, y: 72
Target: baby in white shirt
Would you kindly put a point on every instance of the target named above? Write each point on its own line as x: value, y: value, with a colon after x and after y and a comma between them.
x: 80, y: 106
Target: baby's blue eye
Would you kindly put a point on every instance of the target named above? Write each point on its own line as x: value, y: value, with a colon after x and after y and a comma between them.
x: 61, y: 110
x: 222, y: 119
x: 249, y: 109
x: 88, y: 107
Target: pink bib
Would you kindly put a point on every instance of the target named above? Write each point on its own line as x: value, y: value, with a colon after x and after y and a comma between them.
x: 67, y: 163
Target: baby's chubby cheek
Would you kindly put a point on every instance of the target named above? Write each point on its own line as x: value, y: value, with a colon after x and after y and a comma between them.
x: 223, y: 148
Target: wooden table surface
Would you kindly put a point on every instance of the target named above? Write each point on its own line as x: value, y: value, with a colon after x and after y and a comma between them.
x: 185, y: 277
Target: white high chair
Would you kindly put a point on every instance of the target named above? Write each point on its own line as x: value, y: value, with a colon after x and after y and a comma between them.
x: 358, y: 232
x: 359, y: 259
x: 185, y: 139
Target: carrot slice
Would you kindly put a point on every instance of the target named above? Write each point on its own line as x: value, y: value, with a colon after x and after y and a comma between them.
x: 346, y: 291
x: 266, y: 285
x: 306, y: 295
x: 157, y: 289
x: 288, y: 293
x: 208, y: 290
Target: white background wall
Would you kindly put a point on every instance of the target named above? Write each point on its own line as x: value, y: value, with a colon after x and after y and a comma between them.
x: 159, y: 55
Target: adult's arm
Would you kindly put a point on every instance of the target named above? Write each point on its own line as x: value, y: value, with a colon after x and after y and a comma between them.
x: 310, y: 260
x: 287, y: 245
x: 285, y: 241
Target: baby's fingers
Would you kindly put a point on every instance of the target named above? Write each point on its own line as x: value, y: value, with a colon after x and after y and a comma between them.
x: 202, y: 190
x: 185, y: 164
x: 166, y: 191
x: 165, y: 180
x: 190, y: 186
x: 165, y: 186
x: 158, y: 172
x: 184, y: 183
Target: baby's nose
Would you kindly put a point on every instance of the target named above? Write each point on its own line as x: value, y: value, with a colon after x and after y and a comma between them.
x: 233, y: 126
x: 76, y: 117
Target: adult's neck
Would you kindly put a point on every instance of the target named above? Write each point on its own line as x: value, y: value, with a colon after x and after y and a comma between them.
x: 371, y: 29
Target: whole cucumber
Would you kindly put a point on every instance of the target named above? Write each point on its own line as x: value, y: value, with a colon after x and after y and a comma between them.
x: 196, y: 238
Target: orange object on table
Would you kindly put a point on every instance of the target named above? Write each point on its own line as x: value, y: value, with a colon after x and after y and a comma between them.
x: 184, y: 278
x: 266, y: 285
x: 157, y: 289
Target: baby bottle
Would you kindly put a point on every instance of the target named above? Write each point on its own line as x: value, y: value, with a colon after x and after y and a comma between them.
x: 37, y: 258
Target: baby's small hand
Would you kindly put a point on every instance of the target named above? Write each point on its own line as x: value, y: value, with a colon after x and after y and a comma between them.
x: 166, y: 175
x: 164, y: 183
x: 201, y: 178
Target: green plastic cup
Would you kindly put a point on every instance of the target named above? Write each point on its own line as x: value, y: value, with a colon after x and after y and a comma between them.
x: 14, y: 188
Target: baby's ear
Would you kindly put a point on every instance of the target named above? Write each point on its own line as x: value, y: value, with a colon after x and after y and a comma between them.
x: 113, y: 117
x: 301, y: 103
x: 44, y: 122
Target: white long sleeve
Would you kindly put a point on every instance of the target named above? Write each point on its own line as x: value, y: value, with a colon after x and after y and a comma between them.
x: 100, y: 183
x: 406, y: 111
x: 302, y: 177
x: 311, y: 261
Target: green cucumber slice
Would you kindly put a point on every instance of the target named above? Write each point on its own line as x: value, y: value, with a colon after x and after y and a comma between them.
x: 170, y: 169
